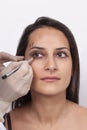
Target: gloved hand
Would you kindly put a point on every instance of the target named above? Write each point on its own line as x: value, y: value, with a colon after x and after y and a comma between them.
x: 5, y: 57
x: 16, y: 85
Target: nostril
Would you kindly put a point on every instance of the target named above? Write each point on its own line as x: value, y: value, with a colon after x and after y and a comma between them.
x: 51, y: 68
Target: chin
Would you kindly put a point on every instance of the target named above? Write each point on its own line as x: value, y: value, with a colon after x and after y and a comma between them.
x: 48, y: 91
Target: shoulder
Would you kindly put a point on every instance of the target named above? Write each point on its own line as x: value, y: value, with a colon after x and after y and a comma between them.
x: 79, y: 113
x: 19, y: 117
x: 21, y: 113
x: 76, y: 108
x: 79, y: 109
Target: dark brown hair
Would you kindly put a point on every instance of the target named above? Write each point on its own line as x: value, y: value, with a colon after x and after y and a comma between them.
x: 72, y: 92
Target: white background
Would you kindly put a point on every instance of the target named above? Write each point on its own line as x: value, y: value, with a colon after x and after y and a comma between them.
x: 15, y: 15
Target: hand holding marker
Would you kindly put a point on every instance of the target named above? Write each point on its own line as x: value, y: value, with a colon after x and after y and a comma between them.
x: 14, y: 70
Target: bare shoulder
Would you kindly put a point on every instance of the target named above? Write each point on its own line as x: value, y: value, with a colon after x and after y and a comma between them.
x: 15, y: 116
x: 79, y: 109
x: 79, y: 112
x: 20, y: 117
x: 20, y: 113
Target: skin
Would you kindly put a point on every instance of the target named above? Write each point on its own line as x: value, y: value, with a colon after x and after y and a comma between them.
x: 48, y: 61
x: 49, y: 109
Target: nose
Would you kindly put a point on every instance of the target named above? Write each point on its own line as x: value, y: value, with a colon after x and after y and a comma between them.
x: 50, y: 64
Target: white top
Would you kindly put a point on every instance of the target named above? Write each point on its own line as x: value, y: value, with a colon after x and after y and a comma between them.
x: 2, y: 126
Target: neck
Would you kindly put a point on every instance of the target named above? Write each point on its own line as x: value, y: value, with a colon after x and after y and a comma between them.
x: 48, y: 108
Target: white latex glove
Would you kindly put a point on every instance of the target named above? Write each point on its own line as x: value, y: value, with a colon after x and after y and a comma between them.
x: 2, y: 126
x: 15, y: 86
x: 5, y: 57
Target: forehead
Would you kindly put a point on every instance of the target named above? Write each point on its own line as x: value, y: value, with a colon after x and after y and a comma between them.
x: 47, y: 36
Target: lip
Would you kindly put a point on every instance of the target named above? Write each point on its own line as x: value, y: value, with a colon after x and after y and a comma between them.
x: 50, y: 78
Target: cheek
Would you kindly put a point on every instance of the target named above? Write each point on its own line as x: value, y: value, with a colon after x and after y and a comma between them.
x: 67, y: 71
x: 37, y: 67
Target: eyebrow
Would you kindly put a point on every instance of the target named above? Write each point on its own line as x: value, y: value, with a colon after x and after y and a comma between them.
x: 41, y: 48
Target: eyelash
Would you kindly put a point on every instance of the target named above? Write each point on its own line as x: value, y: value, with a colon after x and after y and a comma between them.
x: 38, y: 55
x: 62, y: 54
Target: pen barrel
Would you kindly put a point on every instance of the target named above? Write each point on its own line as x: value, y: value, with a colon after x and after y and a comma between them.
x: 10, y: 73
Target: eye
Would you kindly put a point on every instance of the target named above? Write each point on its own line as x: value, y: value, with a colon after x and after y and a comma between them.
x: 62, y: 54
x: 36, y: 54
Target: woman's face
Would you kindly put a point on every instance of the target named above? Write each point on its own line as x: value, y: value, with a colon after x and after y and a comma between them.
x: 52, y: 64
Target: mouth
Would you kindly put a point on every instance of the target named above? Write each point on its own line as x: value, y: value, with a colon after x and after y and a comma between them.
x: 50, y: 79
